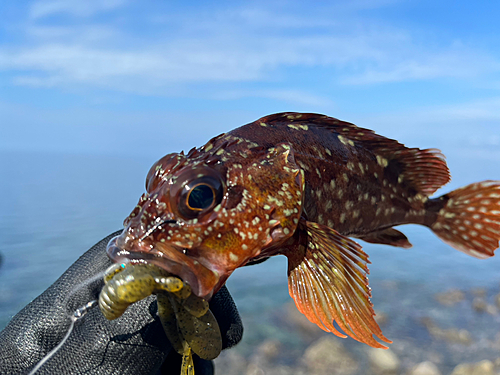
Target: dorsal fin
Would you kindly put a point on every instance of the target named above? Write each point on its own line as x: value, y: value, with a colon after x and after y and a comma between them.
x: 424, y: 170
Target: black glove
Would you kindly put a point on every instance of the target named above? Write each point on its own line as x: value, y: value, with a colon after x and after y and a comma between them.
x: 132, y: 344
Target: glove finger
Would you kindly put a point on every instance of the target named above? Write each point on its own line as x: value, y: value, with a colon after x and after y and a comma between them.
x: 226, y: 313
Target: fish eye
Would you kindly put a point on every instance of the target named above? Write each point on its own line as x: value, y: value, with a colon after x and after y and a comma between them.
x: 199, y: 196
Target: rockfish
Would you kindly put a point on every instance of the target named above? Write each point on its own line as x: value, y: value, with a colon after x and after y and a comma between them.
x: 301, y: 184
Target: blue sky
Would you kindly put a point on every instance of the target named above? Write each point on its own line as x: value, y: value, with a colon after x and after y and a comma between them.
x: 152, y: 77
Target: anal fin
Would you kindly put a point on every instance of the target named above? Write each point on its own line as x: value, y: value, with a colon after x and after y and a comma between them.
x: 327, y: 278
x: 389, y: 236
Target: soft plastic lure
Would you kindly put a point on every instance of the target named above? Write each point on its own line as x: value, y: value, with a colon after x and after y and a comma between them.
x: 187, y: 320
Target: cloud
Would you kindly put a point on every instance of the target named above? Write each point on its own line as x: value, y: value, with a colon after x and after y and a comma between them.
x: 80, y: 8
x: 462, y: 127
x: 250, y: 44
x: 478, y: 110
x: 84, y: 34
x: 187, y: 60
x: 293, y: 96
x: 484, y: 111
x: 68, y: 64
x: 452, y: 63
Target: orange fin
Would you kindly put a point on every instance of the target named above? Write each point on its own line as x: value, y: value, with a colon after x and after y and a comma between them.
x: 327, y: 278
x: 389, y: 236
x: 470, y: 219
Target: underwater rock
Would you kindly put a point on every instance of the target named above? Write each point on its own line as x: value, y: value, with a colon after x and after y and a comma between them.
x: 452, y: 335
x: 299, y: 322
x: 479, y: 368
x: 479, y: 292
x: 425, y: 368
x: 384, y: 361
x: 230, y: 362
x: 278, y: 370
x: 479, y: 304
x: 264, y: 355
x: 497, y: 300
x: 269, y: 349
x: 380, y: 317
x: 326, y: 354
x: 263, y: 361
x: 450, y: 297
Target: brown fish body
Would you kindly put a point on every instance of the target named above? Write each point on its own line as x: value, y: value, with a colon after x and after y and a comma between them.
x: 299, y: 184
x: 349, y: 183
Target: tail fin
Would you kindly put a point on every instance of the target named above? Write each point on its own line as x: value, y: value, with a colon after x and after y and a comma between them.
x: 469, y: 220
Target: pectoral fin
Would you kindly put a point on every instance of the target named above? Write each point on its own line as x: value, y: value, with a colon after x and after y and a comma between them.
x: 389, y: 236
x: 327, y: 278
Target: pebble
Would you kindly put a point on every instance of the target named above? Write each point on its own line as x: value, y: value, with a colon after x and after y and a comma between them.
x: 450, y: 297
x: 230, y: 362
x: 479, y: 304
x: 479, y: 292
x: 299, y: 322
x: 384, y: 361
x: 380, y: 317
x: 479, y: 368
x: 269, y: 349
x: 452, y: 335
x: 425, y: 368
x: 326, y: 354
x: 497, y: 300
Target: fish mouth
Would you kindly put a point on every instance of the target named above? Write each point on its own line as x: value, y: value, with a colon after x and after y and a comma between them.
x: 201, y: 279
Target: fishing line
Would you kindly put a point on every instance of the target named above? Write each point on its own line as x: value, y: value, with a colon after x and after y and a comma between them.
x: 77, y: 315
x: 86, y: 282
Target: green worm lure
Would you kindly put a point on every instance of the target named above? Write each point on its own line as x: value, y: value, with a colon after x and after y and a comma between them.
x: 186, y: 319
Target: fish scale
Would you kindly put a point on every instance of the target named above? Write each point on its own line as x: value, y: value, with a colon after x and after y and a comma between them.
x: 327, y: 156
x: 301, y: 184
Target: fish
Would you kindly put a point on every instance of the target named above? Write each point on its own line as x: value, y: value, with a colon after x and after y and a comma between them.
x: 305, y: 186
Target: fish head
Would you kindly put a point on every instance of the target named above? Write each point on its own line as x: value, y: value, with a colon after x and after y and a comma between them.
x: 205, y: 214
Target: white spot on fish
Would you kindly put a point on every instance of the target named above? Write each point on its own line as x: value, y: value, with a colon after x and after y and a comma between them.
x: 382, y: 161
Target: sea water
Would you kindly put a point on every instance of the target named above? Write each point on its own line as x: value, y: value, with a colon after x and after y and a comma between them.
x: 53, y: 207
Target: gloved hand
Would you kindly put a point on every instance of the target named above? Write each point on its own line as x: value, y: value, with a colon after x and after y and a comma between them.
x: 132, y: 344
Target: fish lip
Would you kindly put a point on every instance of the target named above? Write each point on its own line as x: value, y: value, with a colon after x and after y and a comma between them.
x: 201, y: 279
